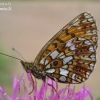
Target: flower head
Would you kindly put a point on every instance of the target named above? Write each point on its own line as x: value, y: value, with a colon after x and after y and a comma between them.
x: 49, y: 86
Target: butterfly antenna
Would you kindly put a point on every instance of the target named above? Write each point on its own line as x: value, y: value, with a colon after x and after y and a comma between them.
x: 18, y: 53
x: 10, y: 56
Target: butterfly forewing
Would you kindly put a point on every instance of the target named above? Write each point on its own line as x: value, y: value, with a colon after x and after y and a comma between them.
x: 70, y: 55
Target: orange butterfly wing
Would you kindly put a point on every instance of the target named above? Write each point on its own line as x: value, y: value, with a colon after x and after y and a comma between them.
x: 81, y: 36
x: 72, y: 62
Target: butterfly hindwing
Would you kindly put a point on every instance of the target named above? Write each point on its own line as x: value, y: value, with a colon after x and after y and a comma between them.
x: 72, y: 64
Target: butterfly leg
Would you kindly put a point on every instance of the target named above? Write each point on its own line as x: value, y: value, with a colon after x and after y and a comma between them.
x: 32, y: 84
x: 53, y: 88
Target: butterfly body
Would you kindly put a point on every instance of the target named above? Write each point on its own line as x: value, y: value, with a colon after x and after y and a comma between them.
x: 69, y: 56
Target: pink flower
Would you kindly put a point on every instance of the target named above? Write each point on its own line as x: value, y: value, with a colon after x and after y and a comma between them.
x: 65, y: 93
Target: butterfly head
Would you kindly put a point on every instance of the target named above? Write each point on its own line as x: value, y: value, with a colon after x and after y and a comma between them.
x: 27, y: 66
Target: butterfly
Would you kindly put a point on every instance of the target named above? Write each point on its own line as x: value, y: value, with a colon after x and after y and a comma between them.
x: 70, y: 55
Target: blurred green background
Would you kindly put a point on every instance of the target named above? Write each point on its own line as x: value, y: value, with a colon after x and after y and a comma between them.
x: 5, y: 69
x: 30, y: 24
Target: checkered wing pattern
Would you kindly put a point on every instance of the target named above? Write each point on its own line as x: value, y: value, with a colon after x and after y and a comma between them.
x: 70, y: 56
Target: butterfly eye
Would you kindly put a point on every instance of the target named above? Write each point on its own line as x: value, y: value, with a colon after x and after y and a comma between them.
x: 27, y: 68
